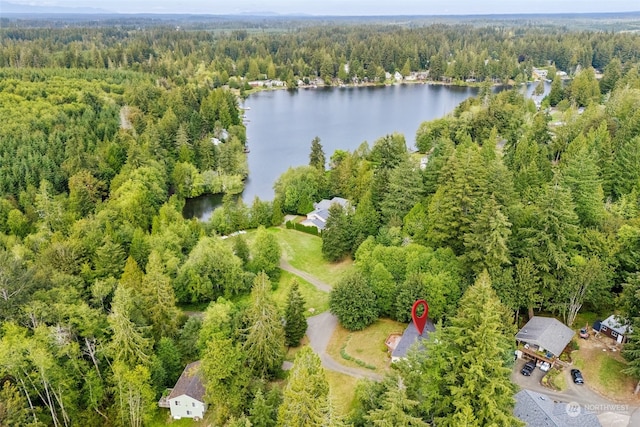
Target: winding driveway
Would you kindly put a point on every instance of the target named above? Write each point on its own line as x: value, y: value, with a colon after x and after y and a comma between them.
x: 320, y: 329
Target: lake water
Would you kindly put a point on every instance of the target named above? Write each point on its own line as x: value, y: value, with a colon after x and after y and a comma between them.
x: 281, y: 124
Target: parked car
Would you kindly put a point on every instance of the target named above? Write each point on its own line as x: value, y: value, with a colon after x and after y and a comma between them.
x: 577, y: 376
x: 584, y: 334
x: 545, y: 366
x: 528, y: 368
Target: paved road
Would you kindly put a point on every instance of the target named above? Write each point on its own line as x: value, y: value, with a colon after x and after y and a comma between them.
x: 610, y: 413
x: 320, y: 329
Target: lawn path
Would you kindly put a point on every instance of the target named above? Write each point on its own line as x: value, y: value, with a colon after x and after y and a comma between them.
x: 322, y: 286
x: 320, y: 329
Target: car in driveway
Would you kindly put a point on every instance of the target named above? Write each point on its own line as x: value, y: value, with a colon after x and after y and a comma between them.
x: 545, y: 366
x: 528, y: 368
x: 576, y: 375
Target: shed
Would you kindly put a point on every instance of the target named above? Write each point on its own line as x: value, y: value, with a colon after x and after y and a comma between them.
x: 614, y: 327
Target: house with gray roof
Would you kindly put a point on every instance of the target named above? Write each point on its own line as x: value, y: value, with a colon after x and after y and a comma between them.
x: 539, y: 410
x: 410, y: 336
x: 186, y: 399
x: 544, y: 338
x: 318, y: 217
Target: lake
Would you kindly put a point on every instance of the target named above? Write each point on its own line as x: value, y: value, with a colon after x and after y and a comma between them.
x: 281, y: 124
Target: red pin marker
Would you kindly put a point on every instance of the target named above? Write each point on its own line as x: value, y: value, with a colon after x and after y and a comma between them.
x: 420, y: 321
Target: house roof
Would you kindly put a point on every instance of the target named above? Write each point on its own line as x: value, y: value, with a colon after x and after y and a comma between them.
x: 189, y: 383
x: 410, y: 336
x: 546, y: 332
x: 326, y: 204
x: 539, y: 410
x: 616, y: 323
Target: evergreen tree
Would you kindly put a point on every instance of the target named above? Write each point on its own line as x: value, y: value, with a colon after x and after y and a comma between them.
x: 306, y: 395
x: 128, y: 342
x: 556, y: 94
x: 295, y: 323
x: 487, y: 242
x: 465, y: 378
x: 13, y: 407
x: 265, y: 338
x: 631, y: 308
x: 261, y: 413
x: 158, y: 300
x: 337, y: 238
x: 396, y: 410
x: 317, y: 158
x: 627, y: 167
x: 552, y: 237
x: 384, y: 288
x: 403, y: 192
x: 581, y: 175
x: 226, y: 377
x: 365, y: 221
x: 455, y: 205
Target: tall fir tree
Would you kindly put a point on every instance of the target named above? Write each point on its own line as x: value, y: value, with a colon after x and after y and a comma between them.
x: 317, y: 159
x: 337, y: 236
x: 265, y: 339
x: 262, y: 414
x: 463, y: 377
x: 295, y: 323
x: 396, y: 409
x: 306, y: 395
x: 631, y: 309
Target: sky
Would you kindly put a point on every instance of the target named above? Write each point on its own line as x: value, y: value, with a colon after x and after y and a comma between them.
x: 348, y: 7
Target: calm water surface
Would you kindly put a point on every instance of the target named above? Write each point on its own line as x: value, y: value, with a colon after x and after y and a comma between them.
x: 281, y: 124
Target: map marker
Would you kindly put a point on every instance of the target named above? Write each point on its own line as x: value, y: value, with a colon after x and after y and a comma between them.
x: 420, y: 321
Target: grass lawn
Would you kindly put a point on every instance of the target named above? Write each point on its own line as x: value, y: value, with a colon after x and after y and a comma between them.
x: 556, y: 379
x: 163, y: 418
x: 304, y: 252
x: 366, y: 345
x: 602, y: 370
x: 315, y: 299
x: 341, y: 391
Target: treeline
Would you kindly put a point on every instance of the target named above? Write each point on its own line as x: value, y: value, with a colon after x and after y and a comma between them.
x: 449, y: 52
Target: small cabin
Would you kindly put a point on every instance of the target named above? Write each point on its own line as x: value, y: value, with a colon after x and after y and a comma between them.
x: 614, y: 327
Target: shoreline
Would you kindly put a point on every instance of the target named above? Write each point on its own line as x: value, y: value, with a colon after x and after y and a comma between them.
x: 251, y: 91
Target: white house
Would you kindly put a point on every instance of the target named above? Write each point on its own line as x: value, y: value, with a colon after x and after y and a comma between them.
x: 186, y: 399
x: 318, y: 217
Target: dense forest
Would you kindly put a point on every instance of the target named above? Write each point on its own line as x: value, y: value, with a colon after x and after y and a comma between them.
x: 106, y: 131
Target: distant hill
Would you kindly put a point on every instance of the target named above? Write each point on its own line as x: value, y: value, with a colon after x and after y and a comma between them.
x: 25, y: 9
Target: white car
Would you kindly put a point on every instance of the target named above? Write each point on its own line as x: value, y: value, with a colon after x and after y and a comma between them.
x: 545, y: 366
